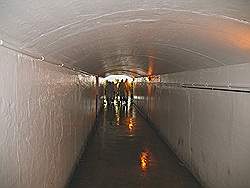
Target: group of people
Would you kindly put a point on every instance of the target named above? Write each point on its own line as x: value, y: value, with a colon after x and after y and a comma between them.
x: 120, y: 91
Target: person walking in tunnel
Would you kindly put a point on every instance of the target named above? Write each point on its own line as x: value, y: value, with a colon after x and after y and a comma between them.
x: 121, y: 91
x: 116, y: 85
x: 132, y: 89
x: 127, y: 90
x: 110, y: 92
x: 106, y: 85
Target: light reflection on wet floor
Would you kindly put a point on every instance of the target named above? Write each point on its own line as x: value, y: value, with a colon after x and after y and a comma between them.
x: 125, y: 152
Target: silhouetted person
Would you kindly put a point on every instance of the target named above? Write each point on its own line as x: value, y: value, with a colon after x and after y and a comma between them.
x: 110, y: 92
x: 132, y: 89
x: 116, y: 89
x: 122, y: 91
x: 127, y: 90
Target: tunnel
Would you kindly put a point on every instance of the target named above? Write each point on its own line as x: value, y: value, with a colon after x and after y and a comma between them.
x: 190, y: 64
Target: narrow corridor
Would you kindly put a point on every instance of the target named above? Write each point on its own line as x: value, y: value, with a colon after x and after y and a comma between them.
x: 126, y: 152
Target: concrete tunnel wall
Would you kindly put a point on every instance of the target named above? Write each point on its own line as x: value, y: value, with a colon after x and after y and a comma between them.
x: 207, y: 129
x: 46, y: 113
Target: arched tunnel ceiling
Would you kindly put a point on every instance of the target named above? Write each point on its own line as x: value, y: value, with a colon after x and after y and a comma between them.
x: 139, y: 37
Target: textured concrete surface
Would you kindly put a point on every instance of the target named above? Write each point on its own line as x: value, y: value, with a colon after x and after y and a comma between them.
x: 46, y: 114
x: 139, y: 36
x: 207, y: 129
x: 126, y: 153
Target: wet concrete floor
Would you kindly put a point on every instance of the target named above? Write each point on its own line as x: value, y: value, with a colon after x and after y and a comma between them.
x: 125, y: 152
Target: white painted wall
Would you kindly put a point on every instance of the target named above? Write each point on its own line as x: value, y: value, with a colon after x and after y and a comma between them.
x: 209, y: 130
x: 45, y: 115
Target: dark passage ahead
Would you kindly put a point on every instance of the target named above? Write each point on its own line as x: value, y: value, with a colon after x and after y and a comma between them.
x: 125, y: 152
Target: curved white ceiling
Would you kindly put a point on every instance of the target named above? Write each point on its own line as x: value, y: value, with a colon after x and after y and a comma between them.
x: 133, y: 36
